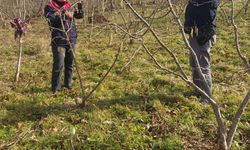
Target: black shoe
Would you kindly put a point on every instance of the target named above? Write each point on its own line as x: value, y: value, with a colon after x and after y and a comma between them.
x: 204, y: 101
x: 54, y: 93
x: 55, y: 90
x: 192, y: 93
x: 67, y: 86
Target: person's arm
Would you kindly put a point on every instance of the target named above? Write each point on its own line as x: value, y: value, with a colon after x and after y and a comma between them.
x: 207, y: 18
x: 212, y: 12
x: 79, y: 13
x: 189, y: 19
x: 52, y: 16
x: 69, y: 14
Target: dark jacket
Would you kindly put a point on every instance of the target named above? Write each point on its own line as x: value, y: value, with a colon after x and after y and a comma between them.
x: 58, y: 36
x: 201, y: 14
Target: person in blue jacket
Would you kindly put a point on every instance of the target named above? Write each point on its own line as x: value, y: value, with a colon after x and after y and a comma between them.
x: 200, y: 24
x: 60, y: 16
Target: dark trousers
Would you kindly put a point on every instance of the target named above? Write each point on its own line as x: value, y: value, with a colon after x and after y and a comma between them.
x: 62, y: 57
x: 203, y: 55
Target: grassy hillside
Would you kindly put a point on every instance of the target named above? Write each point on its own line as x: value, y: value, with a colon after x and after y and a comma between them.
x: 137, y: 108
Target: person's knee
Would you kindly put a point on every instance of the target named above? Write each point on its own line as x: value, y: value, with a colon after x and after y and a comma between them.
x: 57, y: 66
x: 69, y: 63
x: 205, y: 70
x: 61, y: 52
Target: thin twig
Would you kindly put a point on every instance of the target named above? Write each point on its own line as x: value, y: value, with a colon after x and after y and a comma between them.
x: 131, y: 58
x: 245, y: 7
x: 224, y: 14
x: 188, y: 81
x: 244, y: 104
x: 106, y: 74
x: 17, y: 139
x: 123, y: 30
x: 244, y: 58
x: 92, y: 24
x: 236, y: 119
x: 157, y: 38
x: 158, y: 64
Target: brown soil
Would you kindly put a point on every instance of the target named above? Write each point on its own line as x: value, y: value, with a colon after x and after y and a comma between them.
x: 97, y: 18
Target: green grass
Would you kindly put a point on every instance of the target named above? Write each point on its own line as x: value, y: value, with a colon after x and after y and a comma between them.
x: 139, y: 108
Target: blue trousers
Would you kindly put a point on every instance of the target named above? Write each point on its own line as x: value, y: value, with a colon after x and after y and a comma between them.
x: 203, y: 55
x: 62, y: 58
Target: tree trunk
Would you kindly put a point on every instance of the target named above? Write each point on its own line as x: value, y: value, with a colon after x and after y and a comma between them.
x: 18, y: 66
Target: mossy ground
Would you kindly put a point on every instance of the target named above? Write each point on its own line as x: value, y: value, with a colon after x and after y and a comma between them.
x: 139, y: 108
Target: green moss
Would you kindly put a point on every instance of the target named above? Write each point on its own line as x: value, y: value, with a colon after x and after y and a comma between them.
x: 139, y: 108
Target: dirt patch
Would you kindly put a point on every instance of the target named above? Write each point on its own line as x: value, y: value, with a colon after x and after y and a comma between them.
x: 97, y: 18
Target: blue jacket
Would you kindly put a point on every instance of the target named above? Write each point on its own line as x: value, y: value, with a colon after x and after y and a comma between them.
x: 201, y: 14
x: 58, y: 36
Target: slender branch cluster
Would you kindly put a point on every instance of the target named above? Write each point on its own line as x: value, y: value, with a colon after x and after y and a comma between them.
x: 225, y: 138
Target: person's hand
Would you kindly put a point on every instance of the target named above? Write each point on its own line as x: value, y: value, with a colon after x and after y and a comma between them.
x: 190, y: 36
x: 69, y: 14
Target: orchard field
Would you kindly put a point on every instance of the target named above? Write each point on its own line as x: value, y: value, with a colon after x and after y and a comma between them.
x: 137, y: 106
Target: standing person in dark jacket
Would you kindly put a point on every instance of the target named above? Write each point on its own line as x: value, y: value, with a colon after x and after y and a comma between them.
x: 200, y: 17
x: 60, y: 16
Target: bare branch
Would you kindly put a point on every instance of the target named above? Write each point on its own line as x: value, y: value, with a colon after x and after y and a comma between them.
x: 16, y: 139
x: 244, y: 59
x: 123, y: 30
x: 160, y: 66
x: 106, y: 74
x: 244, y: 8
x: 236, y: 119
x: 157, y: 38
x: 224, y: 14
x: 131, y: 58
x: 18, y: 65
